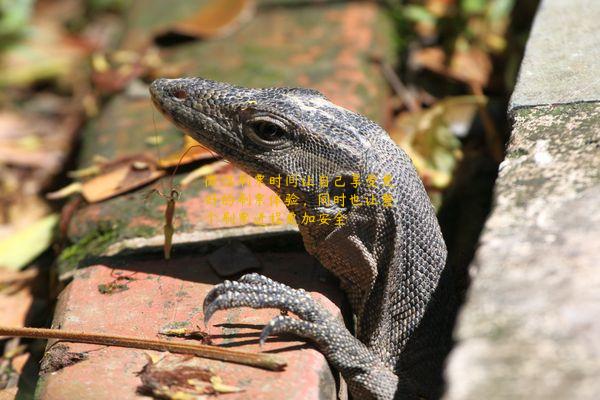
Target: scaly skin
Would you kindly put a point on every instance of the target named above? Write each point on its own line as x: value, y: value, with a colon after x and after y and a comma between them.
x: 389, y: 258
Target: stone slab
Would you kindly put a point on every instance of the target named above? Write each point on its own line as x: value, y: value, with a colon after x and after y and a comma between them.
x: 228, y: 204
x: 530, y: 326
x: 169, y: 295
x: 562, y: 58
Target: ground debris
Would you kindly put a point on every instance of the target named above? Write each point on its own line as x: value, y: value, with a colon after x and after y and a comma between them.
x: 119, y: 284
x: 181, y: 378
x: 186, y: 333
x: 59, y: 357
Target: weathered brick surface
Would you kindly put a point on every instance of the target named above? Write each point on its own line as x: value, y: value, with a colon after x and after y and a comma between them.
x: 170, y: 294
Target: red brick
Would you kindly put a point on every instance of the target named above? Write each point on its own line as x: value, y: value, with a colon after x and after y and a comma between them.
x: 172, y: 292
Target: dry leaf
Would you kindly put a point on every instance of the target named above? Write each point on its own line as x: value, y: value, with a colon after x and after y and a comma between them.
x: 217, y: 18
x: 8, y: 278
x: 220, y: 387
x: 472, y: 66
x: 177, y: 377
x: 429, y: 137
x: 84, y: 172
x: 18, y: 156
x: 9, y: 393
x: 190, y: 151
x: 64, y: 192
x: 432, y: 58
x: 203, y: 171
x: 35, y: 137
x: 12, y: 125
x: 120, y: 179
x: 26, y: 140
x: 22, y: 211
x: 114, y: 77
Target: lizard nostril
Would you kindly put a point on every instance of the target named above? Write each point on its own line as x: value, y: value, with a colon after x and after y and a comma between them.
x: 180, y: 94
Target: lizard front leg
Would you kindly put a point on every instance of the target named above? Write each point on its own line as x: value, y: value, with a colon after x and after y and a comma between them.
x: 365, y: 373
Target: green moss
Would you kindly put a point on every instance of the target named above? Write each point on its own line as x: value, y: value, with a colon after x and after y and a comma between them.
x: 516, y: 153
x: 91, y: 246
x: 143, y: 231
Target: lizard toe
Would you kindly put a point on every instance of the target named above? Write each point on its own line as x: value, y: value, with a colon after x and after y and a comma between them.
x: 256, y: 278
x: 228, y: 286
x: 285, y: 324
x: 274, y: 295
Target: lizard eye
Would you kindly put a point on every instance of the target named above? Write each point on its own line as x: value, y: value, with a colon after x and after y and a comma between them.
x: 267, y: 133
x: 180, y: 94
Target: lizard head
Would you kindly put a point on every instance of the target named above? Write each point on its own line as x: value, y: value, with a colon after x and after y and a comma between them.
x: 273, y: 132
x: 299, y: 132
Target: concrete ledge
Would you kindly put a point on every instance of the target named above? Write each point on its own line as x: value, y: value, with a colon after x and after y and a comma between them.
x: 562, y: 58
x: 530, y: 326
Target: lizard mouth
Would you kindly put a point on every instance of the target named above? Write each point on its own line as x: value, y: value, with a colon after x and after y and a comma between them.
x: 171, y: 102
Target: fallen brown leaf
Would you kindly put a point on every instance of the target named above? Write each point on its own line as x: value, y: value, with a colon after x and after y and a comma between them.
x: 120, y: 177
x: 176, y: 377
x: 204, y: 170
x: 59, y: 357
x: 216, y: 18
x: 35, y: 137
x: 429, y: 136
x: 432, y: 58
x: 190, y: 151
x: 472, y: 66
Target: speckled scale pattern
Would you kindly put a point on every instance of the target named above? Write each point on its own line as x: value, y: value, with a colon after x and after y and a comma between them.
x: 389, y: 259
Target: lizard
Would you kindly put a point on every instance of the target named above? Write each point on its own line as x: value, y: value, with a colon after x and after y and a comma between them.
x: 390, y: 258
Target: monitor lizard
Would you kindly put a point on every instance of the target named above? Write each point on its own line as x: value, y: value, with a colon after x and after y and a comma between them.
x: 390, y: 258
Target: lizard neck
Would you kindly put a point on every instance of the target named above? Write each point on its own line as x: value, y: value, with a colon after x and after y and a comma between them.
x: 389, y: 259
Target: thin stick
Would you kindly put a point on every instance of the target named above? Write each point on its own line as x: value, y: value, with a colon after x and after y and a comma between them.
x: 397, y: 85
x: 259, y: 360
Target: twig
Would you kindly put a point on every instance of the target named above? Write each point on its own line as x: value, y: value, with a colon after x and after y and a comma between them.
x: 265, y: 361
x: 399, y: 88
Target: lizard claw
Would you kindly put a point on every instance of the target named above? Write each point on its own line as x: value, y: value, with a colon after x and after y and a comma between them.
x: 257, y: 291
x: 284, y: 324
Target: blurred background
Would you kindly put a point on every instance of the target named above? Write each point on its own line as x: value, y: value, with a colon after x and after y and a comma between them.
x: 75, y: 116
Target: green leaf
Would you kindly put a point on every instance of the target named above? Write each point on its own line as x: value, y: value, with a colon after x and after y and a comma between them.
x: 14, y: 17
x: 25, y: 245
x: 418, y: 14
x: 473, y: 6
x: 500, y: 9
